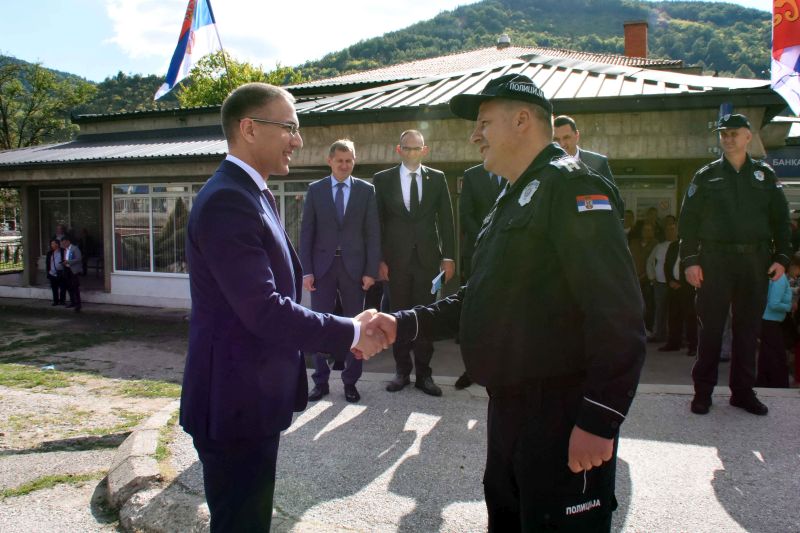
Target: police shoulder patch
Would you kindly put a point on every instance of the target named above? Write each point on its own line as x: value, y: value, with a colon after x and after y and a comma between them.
x: 692, y: 189
x: 527, y: 193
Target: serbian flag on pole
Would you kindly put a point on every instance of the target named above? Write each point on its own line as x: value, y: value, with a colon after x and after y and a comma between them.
x: 198, y: 38
x: 786, y: 52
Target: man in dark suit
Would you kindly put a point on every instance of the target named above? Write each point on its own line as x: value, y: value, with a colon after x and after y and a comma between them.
x: 479, y: 190
x: 567, y: 135
x: 417, y: 239
x: 244, y: 371
x: 339, y: 249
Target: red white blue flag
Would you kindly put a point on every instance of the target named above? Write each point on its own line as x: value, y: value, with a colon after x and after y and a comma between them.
x: 786, y: 51
x: 198, y: 38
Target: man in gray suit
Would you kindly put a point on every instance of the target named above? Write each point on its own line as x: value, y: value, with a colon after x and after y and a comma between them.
x: 339, y: 250
x: 418, y: 241
x: 567, y: 135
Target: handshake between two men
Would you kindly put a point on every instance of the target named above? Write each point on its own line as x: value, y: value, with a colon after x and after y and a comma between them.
x: 378, y: 331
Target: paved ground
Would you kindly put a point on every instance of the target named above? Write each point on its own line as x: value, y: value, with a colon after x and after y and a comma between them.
x: 408, y: 462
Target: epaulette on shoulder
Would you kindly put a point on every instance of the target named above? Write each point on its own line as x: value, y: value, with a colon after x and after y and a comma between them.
x: 708, y: 168
x: 763, y: 164
x: 567, y: 163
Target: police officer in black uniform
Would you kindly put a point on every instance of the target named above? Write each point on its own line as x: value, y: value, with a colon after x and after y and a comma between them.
x: 735, y: 235
x: 551, y: 320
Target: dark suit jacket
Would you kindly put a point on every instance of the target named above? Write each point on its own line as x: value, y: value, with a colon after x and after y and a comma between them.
x: 358, y: 234
x: 597, y: 162
x: 244, y: 372
x: 479, y: 191
x: 430, y: 230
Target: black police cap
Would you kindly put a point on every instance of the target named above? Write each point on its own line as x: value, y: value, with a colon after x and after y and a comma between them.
x: 510, y: 87
x: 731, y: 122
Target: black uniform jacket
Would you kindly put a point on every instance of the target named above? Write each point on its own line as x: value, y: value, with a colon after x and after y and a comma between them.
x: 553, y: 293
x: 726, y: 207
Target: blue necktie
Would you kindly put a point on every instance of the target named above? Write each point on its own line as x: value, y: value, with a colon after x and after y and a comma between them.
x: 340, y: 201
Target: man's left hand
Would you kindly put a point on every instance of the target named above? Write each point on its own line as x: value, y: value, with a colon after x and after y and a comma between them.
x: 367, y: 282
x: 776, y: 270
x: 587, y: 450
x: 449, y: 268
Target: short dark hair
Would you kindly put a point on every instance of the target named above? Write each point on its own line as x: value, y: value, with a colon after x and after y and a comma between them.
x: 342, y: 145
x: 245, y: 99
x: 565, y: 120
x: 795, y: 260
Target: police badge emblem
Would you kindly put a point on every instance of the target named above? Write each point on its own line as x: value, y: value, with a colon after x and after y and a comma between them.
x: 692, y: 190
x: 759, y: 175
x: 527, y: 192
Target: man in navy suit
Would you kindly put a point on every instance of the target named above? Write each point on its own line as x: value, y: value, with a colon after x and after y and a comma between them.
x: 567, y: 135
x: 418, y: 241
x: 339, y: 250
x: 244, y: 371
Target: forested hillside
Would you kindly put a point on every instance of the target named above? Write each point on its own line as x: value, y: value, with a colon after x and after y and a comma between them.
x: 722, y: 38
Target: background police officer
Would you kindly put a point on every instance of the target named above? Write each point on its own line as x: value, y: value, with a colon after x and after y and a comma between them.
x: 559, y: 351
x: 735, y: 236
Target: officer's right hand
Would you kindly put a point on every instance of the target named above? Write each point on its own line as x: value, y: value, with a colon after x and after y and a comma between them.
x: 308, y: 283
x: 694, y: 275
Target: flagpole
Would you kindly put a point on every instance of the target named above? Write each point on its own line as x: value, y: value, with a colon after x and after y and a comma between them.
x: 221, y: 47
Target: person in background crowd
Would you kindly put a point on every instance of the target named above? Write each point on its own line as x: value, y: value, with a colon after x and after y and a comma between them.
x: 567, y: 135
x: 418, y: 241
x: 627, y: 223
x: 735, y: 236
x: 641, y: 249
x: 771, y: 369
x: 73, y: 266
x: 680, y: 305
x: 55, y: 273
x: 650, y: 217
x: 655, y: 273
x: 61, y: 232
x: 339, y: 250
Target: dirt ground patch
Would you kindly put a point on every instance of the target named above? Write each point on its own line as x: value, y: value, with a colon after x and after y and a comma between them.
x: 71, y: 390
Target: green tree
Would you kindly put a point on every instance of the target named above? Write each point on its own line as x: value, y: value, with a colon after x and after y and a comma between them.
x: 217, y: 74
x: 35, y: 104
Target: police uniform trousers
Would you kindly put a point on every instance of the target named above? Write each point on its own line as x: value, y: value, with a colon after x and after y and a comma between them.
x: 527, y: 484
x: 738, y: 280
x: 408, y: 287
x: 239, y: 483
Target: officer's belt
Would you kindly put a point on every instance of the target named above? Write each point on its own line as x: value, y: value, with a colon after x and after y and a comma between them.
x: 539, y: 385
x: 733, y: 247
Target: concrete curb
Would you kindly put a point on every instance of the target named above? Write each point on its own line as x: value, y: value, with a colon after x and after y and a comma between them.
x: 134, y: 467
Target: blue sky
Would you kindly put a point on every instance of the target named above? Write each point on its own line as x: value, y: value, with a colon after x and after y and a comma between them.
x: 97, y: 38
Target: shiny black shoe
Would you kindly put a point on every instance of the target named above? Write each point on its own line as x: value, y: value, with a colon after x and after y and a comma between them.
x: 751, y: 404
x: 463, y: 381
x: 351, y: 393
x: 427, y: 386
x: 397, y: 383
x: 701, y: 405
x: 691, y: 352
x: 318, y: 392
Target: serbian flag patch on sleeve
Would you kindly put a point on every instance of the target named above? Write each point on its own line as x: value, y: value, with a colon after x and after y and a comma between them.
x: 593, y: 202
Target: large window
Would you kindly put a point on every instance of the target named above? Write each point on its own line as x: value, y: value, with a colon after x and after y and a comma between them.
x: 150, y: 227
x: 150, y: 222
x: 77, y: 209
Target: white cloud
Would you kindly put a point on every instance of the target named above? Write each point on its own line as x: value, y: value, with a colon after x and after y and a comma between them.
x: 264, y: 33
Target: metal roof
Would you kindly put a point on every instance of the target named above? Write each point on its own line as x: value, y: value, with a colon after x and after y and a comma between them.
x: 478, y: 58
x: 98, y: 150
x: 559, y: 78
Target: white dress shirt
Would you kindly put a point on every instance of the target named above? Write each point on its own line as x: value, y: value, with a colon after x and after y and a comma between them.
x: 405, y: 185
